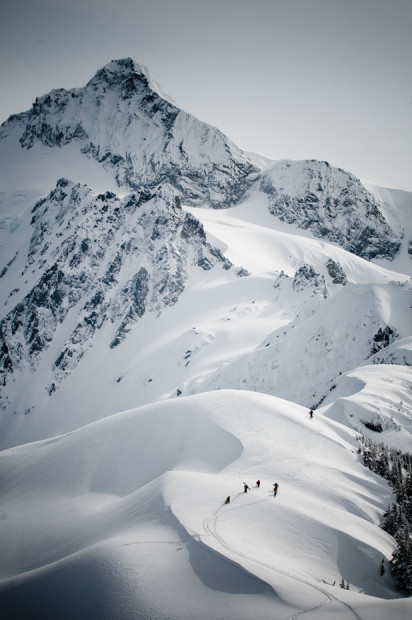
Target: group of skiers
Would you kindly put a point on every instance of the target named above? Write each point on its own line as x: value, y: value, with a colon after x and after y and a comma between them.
x: 246, y: 488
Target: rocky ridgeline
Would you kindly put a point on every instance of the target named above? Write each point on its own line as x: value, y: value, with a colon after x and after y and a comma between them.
x: 332, y: 204
x: 100, y: 259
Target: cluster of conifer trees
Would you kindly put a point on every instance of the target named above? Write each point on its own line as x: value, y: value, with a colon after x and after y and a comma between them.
x: 396, y: 467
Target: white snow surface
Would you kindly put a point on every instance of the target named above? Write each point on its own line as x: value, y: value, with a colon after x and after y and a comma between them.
x: 126, y: 518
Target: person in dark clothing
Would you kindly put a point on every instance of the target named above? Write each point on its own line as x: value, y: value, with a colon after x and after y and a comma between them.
x: 246, y: 487
x: 258, y: 483
x: 311, y: 414
x: 275, y: 489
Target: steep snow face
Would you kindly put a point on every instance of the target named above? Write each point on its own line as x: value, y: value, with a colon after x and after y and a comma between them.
x: 396, y: 207
x: 96, y: 259
x: 121, y: 120
x: 329, y: 332
x: 332, y: 204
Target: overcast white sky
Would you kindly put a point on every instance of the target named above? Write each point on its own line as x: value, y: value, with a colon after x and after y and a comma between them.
x: 317, y: 79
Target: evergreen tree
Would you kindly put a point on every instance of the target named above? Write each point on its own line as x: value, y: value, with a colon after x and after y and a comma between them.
x: 396, y: 467
x: 402, y: 561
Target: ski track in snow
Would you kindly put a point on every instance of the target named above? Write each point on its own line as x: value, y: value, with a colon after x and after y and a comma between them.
x: 211, y: 526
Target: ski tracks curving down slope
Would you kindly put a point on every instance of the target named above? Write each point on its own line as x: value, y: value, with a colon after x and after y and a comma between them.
x: 211, y: 526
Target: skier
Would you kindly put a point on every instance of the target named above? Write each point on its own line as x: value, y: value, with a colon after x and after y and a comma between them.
x: 246, y: 487
x: 227, y: 500
x: 275, y: 489
x: 311, y: 414
x: 258, y: 483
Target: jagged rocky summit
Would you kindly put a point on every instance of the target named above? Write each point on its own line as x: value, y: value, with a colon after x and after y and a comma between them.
x: 123, y: 121
x: 120, y: 119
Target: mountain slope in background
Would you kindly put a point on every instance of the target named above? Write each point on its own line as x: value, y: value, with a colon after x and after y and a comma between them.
x: 332, y: 204
x: 146, y: 261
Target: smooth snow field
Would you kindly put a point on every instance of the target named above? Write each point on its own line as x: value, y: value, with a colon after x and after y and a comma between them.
x: 125, y: 517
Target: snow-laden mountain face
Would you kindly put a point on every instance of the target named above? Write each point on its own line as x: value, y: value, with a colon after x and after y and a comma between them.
x: 332, y: 204
x: 120, y: 119
x: 107, y: 262
x: 97, y: 259
x: 330, y: 332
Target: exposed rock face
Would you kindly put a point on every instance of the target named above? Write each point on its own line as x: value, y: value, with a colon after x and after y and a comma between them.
x: 120, y: 119
x: 100, y: 259
x: 306, y: 277
x: 332, y: 204
x: 336, y: 272
x: 383, y: 338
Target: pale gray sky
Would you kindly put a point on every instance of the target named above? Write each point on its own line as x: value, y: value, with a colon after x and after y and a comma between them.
x: 317, y: 79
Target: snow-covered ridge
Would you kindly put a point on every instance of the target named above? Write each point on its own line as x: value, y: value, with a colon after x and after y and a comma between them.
x: 142, y: 494
x: 123, y: 70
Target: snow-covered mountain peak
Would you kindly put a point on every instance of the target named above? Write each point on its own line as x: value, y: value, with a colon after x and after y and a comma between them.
x: 119, y: 69
x: 141, y: 138
x: 128, y: 74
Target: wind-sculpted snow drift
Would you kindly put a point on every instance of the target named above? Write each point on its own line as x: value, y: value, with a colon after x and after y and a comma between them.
x: 146, y: 261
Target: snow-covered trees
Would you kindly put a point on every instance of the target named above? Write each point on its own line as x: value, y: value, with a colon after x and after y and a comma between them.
x: 396, y: 467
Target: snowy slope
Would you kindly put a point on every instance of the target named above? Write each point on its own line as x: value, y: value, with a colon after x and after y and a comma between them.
x: 125, y: 517
x: 214, y: 330
x: 396, y: 206
x: 312, y: 318
x: 237, y: 300
x: 378, y: 395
